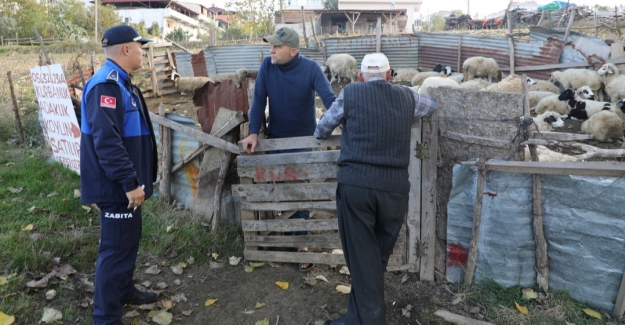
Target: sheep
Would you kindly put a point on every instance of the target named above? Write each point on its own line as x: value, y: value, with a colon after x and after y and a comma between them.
x: 545, y: 86
x: 475, y: 84
x: 604, y: 126
x: 614, y: 82
x: 237, y: 77
x: 553, y: 103
x: 341, y: 65
x: 582, y: 109
x: 575, y: 78
x: 189, y: 84
x: 438, y: 71
x: 404, y: 76
x: 536, y: 96
x: 434, y: 82
x: 511, y: 84
x: 546, y: 154
x: 457, y: 77
x: 547, y: 121
x: 479, y: 66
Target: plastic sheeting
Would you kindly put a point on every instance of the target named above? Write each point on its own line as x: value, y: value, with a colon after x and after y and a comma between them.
x: 582, y: 220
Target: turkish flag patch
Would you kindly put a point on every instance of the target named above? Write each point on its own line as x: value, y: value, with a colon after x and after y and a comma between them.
x: 108, y: 101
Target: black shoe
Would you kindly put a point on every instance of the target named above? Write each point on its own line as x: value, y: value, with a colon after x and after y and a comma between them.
x: 139, y: 298
x: 334, y: 322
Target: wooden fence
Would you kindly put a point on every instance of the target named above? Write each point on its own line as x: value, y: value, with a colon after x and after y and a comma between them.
x: 289, y: 182
x: 155, y: 79
x: 28, y: 41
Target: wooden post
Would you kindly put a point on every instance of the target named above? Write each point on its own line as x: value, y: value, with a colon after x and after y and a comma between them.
x: 428, y: 197
x: 43, y: 48
x: 542, y: 16
x: 459, y: 52
x: 93, y: 61
x: 477, y: 219
x: 304, y: 29
x: 166, y: 157
x: 82, y: 76
x: 312, y: 24
x: 413, y: 222
x: 378, y: 35
x: 510, y: 40
x: 18, y: 121
x: 572, y: 12
x: 596, y: 25
x: 619, y: 306
x: 155, y: 92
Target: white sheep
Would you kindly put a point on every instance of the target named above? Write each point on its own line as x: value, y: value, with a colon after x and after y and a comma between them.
x: 237, y: 77
x: 475, y: 84
x: 545, y: 86
x: 479, y: 66
x: 614, y: 81
x: 547, y: 121
x: 575, y: 78
x: 546, y: 154
x: 404, y: 76
x: 604, y: 126
x: 582, y: 109
x: 511, y: 84
x: 456, y: 76
x: 555, y: 104
x: 341, y: 65
x: 434, y: 82
x: 418, y: 78
x: 536, y: 96
x: 189, y: 84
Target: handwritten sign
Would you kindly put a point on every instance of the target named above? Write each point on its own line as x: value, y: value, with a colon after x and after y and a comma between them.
x: 61, y: 126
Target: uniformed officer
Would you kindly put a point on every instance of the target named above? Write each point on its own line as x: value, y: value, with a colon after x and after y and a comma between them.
x: 118, y: 163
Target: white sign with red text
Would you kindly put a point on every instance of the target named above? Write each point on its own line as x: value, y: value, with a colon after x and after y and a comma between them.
x: 61, y: 126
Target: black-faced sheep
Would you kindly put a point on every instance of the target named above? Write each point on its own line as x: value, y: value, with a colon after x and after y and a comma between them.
x: 479, y: 66
x: 604, y: 126
x: 189, y: 84
x: 434, y: 82
x: 341, y: 65
x: 404, y: 76
x: 614, y: 81
x: 575, y: 78
x: 553, y: 103
x: 547, y: 121
x: 475, y: 84
x: 511, y: 84
x: 582, y: 109
x: 545, y: 86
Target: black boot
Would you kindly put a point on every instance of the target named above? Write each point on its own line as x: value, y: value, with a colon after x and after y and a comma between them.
x: 139, y: 298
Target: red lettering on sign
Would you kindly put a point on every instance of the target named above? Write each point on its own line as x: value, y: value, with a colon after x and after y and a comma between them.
x: 290, y: 174
x: 260, y: 174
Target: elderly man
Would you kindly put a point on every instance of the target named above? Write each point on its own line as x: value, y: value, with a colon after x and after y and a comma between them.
x: 373, y: 186
x: 118, y: 163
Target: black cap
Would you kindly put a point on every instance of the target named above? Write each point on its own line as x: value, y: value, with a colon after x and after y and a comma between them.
x: 122, y: 34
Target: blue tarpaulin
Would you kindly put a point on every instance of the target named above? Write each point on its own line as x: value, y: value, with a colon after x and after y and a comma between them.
x: 555, y: 5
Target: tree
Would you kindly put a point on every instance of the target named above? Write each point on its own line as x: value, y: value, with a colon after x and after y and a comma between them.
x: 8, y: 27
x: 28, y: 14
x: 457, y: 13
x: 331, y: 4
x: 155, y: 29
x: 140, y: 27
x: 435, y: 24
x: 178, y: 35
x: 256, y: 16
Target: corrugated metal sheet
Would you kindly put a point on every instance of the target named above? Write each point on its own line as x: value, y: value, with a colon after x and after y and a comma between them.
x: 402, y: 50
x: 569, y: 54
x: 183, y: 63
x: 443, y: 48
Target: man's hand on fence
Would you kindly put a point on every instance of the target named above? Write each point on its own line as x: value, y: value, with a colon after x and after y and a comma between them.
x: 249, y: 143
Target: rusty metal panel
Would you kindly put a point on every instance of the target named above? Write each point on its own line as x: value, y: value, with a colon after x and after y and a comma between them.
x: 225, y: 94
x: 569, y: 53
x: 402, y: 50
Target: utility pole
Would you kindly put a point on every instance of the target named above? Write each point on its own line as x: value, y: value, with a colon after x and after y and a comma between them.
x: 95, y: 3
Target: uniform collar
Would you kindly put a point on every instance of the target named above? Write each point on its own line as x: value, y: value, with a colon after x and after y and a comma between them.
x: 118, y: 74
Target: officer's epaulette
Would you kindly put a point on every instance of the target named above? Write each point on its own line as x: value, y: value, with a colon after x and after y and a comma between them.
x: 113, y: 75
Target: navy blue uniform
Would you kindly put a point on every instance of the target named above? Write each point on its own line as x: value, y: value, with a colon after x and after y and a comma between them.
x: 117, y: 155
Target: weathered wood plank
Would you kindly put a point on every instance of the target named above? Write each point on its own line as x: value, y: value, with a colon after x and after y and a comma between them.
x: 295, y: 143
x: 288, y: 158
x: 248, y: 216
x: 289, y: 225
x: 580, y: 168
x: 477, y: 219
x: 285, y: 206
x: 310, y: 241
x: 472, y: 139
x: 413, y: 218
x: 301, y: 257
x: 428, y: 198
x: 285, y: 192
x: 166, y: 157
x: 289, y: 172
x: 561, y: 136
x: 619, y: 306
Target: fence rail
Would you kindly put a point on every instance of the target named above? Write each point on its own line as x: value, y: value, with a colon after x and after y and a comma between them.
x: 28, y: 41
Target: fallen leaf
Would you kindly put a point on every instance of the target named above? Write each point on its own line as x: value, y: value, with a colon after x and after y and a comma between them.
x: 406, y: 311
x: 9, y: 163
x: 249, y: 269
x: 31, y: 209
x: 344, y: 270
x: 187, y: 312
x: 50, y: 294
x: 76, y: 193
x: 53, y: 194
x: 257, y: 264
x: 167, y: 304
x: 63, y: 277
x: 50, y: 315
x: 233, y: 260
x: 262, y: 322
x: 248, y: 312
x: 146, y: 284
x: 343, y: 289
x: 17, y: 199
x: 404, y: 278
x: 132, y: 314
x: 191, y: 260
x: 161, y: 285
x: 337, y: 251
x: 177, y: 269
x: 41, y: 283
x: 169, y: 228
x: 28, y: 227
x: 86, y: 208
x: 182, y: 265
x: 474, y: 310
x: 179, y: 298
x: 165, y: 263
x: 273, y: 264
x: 282, y: 285
x: 177, y: 282
x: 310, y: 281
x: 592, y: 313
x: 522, y: 309
x: 209, y: 302
x: 14, y: 190
x: 458, y: 298
x: 161, y: 317
x: 151, y: 306
x: 260, y: 305
x: 5, y: 279
x: 152, y: 270
x: 215, y: 255
x: 529, y: 293
x: 6, y: 319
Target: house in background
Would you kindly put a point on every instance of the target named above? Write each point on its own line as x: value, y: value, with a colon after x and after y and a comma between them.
x: 410, y: 8
x: 223, y: 17
x: 192, y: 18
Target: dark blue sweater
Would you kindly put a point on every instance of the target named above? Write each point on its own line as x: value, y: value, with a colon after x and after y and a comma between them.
x: 291, y: 90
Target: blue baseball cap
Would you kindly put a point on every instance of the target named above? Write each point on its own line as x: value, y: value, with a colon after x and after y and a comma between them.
x: 122, y: 34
